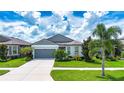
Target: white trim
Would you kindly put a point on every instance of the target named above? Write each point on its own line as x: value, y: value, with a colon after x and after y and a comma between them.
x: 33, y: 53
x: 45, y: 46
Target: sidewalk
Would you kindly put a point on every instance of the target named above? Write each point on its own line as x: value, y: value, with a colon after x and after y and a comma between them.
x: 7, y: 68
x: 67, y: 68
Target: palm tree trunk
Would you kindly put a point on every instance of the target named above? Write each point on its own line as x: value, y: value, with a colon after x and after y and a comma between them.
x: 103, y: 61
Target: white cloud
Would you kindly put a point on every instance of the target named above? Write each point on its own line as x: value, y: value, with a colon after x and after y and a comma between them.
x: 80, y: 28
x: 21, y: 30
x: 87, y: 24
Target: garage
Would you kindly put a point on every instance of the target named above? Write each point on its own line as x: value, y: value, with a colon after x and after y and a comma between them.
x: 44, y: 53
x: 44, y: 49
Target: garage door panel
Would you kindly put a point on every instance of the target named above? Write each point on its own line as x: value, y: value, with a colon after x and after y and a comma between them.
x: 44, y: 53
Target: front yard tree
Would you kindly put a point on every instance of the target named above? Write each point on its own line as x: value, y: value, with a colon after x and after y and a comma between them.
x: 106, y: 35
x: 85, y: 49
x: 26, y: 52
x: 3, y: 52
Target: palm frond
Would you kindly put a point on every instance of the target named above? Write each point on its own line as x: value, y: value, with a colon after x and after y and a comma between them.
x: 113, y: 31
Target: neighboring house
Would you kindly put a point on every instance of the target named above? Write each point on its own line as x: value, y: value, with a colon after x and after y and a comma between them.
x: 122, y: 40
x: 13, y: 44
x: 46, y: 47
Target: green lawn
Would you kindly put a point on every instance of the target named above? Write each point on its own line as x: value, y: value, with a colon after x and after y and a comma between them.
x: 3, y: 72
x: 13, y: 63
x: 78, y: 75
x: 97, y: 63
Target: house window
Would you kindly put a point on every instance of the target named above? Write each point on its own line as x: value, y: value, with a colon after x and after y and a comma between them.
x: 62, y: 48
x: 15, y: 50
x: 76, y: 50
x: 68, y: 50
x: 12, y: 50
x: 9, y: 50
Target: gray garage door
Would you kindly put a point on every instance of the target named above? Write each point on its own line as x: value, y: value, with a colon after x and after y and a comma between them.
x: 44, y: 53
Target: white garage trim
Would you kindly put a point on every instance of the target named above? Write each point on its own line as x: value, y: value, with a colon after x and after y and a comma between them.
x: 45, y: 46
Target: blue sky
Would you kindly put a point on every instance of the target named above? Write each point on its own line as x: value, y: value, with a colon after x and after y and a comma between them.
x: 35, y: 25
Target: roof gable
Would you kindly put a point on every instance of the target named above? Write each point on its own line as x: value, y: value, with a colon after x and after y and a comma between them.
x: 44, y: 42
x: 59, y: 39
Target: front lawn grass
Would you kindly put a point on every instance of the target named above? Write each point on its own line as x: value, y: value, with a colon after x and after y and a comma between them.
x: 87, y: 75
x: 13, y: 63
x: 2, y: 72
x: 97, y: 63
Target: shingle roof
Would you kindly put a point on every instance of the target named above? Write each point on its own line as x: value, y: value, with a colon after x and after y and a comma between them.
x: 44, y: 42
x: 59, y: 39
x: 71, y: 43
x: 3, y: 38
x: 15, y: 41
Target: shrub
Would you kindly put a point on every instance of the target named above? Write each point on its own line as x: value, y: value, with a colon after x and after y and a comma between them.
x: 117, y: 57
x: 77, y: 58
x: 60, y: 55
x: 3, y: 52
x: 26, y: 52
x: 113, y: 58
x: 70, y: 58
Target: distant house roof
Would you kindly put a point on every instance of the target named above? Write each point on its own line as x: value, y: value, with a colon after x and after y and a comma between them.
x: 14, y: 41
x: 122, y: 38
x: 44, y: 42
x: 4, y: 38
x: 60, y: 39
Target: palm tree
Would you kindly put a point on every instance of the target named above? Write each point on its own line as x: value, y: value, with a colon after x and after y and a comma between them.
x: 106, y: 35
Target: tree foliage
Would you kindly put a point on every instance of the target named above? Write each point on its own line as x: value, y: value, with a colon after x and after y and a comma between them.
x: 105, y: 36
x: 60, y: 54
x: 26, y: 52
x: 85, y: 49
x: 3, y: 52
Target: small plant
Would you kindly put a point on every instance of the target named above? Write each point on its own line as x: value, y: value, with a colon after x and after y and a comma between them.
x: 77, y: 58
x: 60, y: 55
x: 117, y: 57
x: 3, y: 52
x: 113, y: 58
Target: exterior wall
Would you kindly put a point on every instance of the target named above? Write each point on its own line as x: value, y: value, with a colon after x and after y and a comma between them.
x: 122, y: 43
x: 72, y: 50
x: 43, y: 47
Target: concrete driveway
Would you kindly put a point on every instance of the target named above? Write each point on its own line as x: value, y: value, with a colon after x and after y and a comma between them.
x: 37, y: 69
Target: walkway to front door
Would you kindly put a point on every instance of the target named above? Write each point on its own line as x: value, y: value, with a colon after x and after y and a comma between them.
x: 37, y: 69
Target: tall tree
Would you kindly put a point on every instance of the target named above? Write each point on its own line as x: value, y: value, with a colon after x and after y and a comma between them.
x: 85, y: 49
x: 106, y: 35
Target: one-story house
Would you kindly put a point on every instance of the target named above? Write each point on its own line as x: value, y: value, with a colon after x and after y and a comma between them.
x: 13, y: 44
x: 45, y: 48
